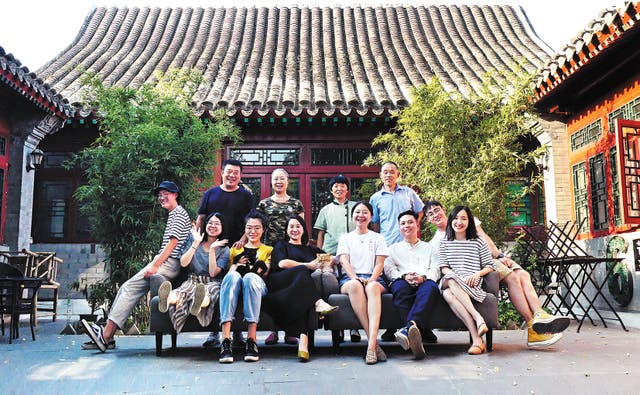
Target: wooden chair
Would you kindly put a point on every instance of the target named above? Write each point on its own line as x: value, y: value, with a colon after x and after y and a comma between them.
x: 44, y: 265
x: 18, y: 296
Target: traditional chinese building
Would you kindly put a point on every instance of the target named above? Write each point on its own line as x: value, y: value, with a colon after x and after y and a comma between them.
x: 588, y: 96
x: 310, y: 87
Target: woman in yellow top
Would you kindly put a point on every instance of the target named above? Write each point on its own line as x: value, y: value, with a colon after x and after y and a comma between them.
x: 249, y: 267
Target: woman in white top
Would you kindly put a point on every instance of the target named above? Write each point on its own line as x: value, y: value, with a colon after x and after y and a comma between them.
x: 362, y: 253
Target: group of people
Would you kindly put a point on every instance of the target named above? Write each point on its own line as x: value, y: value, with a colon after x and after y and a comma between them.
x: 262, y: 257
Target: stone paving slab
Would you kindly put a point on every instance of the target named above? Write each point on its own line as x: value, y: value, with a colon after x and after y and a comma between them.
x: 594, y: 361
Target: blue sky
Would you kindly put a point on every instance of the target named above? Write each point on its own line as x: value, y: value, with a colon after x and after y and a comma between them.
x: 36, y: 31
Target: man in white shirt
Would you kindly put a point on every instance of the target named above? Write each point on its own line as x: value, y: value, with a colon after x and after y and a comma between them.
x: 543, y: 329
x: 412, y: 269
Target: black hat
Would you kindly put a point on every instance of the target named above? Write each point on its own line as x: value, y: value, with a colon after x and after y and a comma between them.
x: 167, y: 186
x: 339, y: 179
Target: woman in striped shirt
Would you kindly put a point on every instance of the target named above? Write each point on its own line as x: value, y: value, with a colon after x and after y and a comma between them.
x: 464, y: 260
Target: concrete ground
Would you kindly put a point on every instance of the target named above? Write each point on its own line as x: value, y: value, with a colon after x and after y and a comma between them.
x: 597, y: 360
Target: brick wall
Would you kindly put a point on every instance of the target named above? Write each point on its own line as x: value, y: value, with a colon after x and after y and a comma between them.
x: 82, y: 262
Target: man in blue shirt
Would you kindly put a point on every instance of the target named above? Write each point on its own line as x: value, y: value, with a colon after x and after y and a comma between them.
x: 391, y: 200
x: 388, y: 203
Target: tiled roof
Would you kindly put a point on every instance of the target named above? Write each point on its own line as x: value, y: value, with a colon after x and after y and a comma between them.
x: 602, y: 32
x: 27, y: 83
x: 300, y: 60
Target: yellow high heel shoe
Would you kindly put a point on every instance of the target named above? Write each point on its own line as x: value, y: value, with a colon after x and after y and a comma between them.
x: 303, y: 356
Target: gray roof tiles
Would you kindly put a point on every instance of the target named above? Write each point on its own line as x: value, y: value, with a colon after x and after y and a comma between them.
x: 300, y: 59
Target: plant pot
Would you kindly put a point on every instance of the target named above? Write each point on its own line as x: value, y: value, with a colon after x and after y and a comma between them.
x: 89, y: 317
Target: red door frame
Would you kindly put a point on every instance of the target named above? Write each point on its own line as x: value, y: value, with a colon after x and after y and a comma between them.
x: 304, y: 171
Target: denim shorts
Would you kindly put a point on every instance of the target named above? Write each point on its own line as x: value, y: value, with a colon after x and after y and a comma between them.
x: 381, y: 279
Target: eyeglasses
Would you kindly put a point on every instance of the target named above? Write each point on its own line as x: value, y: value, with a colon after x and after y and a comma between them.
x: 432, y: 213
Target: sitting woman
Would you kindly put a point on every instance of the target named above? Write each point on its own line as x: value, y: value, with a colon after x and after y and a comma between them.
x: 245, y: 280
x: 464, y: 260
x: 207, y: 256
x: 362, y: 253
x: 292, y: 291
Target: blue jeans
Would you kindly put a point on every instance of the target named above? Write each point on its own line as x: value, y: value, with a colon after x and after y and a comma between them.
x: 415, y: 303
x: 252, y: 288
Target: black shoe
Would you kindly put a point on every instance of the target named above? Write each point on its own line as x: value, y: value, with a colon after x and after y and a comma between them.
x: 226, y: 355
x: 251, y: 353
x: 91, y: 345
x: 355, y: 336
x: 388, y: 336
x: 238, y: 342
x: 213, y: 340
x: 429, y: 337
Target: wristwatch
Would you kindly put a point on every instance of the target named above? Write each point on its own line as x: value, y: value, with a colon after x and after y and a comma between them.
x: 500, y: 255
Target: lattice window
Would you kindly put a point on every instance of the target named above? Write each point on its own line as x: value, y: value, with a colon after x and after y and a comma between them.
x: 630, y: 111
x: 615, y: 185
x: 629, y: 139
x: 598, y: 192
x: 586, y: 135
x: 581, y: 195
x: 339, y: 157
x: 266, y: 156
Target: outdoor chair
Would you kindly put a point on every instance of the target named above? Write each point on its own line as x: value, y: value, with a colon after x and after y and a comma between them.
x: 18, y: 296
x: 44, y: 265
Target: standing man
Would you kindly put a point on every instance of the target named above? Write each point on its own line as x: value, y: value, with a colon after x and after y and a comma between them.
x: 391, y: 200
x: 334, y: 219
x: 234, y: 203
x: 413, y: 272
x: 543, y: 329
x: 166, y: 263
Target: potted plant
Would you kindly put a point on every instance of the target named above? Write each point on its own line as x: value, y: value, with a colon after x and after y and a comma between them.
x: 96, y: 294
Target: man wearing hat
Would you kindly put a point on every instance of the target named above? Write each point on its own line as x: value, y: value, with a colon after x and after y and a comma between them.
x: 166, y: 263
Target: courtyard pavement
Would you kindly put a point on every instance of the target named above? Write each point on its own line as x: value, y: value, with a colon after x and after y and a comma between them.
x: 597, y: 360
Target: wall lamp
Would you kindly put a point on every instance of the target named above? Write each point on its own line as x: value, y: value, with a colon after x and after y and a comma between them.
x: 35, y: 159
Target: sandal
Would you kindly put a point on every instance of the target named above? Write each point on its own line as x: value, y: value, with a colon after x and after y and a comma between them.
x: 380, y: 355
x: 371, y: 358
x: 482, y: 329
x: 477, y: 349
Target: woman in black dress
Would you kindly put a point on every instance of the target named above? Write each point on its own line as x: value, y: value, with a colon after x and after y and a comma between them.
x: 292, y: 291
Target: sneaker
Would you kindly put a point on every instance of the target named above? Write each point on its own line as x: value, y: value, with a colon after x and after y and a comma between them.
x: 355, y: 336
x: 226, y: 355
x: 238, y: 341
x: 251, y: 353
x: 402, y: 337
x: 198, y: 297
x: 91, y: 345
x: 544, y: 322
x: 537, y: 340
x: 415, y: 342
x: 213, y: 340
x: 95, y: 333
x: 271, y: 339
x: 163, y: 296
x: 388, y: 335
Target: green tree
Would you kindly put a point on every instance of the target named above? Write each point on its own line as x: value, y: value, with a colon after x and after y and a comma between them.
x: 147, y: 135
x: 459, y: 150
